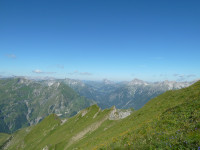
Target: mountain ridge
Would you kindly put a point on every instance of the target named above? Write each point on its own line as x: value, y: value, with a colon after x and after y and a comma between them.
x: 24, y: 102
x: 168, y: 121
x: 22, y: 98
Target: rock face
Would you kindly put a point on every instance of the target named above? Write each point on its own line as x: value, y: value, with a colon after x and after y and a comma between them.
x: 26, y: 102
x: 117, y: 114
x: 45, y: 148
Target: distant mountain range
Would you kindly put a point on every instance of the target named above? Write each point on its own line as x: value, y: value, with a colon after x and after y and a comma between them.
x: 168, y: 121
x: 133, y: 94
x: 25, y: 102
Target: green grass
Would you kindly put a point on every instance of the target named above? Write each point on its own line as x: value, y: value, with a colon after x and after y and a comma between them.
x: 172, y: 121
x: 50, y: 132
x: 169, y: 121
x: 3, y: 138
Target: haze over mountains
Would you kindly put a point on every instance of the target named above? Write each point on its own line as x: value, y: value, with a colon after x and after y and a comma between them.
x: 127, y: 94
x: 99, y: 75
x: 25, y: 102
x: 169, y: 121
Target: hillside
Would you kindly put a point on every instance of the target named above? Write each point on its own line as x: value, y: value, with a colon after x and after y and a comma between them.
x: 3, y: 139
x: 169, y: 121
x: 46, y: 133
x: 26, y: 102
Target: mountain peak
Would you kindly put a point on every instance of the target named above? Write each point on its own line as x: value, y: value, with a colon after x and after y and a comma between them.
x: 106, y: 81
x: 23, y: 80
x: 175, y: 85
x: 137, y: 82
x: 74, y: 82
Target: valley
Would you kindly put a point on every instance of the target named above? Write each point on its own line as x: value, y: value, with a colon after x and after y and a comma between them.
x: 64, y: 123
x: 99, y: 75
x: 169, y: 121
x: 26, y: 102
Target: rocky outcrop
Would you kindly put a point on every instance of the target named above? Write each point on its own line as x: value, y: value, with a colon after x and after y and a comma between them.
x: 117, y: 114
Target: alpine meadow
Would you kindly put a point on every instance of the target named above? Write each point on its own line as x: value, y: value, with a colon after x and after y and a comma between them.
x: 99, y: 75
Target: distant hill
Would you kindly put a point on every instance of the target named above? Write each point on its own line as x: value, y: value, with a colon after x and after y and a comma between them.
x: 26, y: 102
x: 169, y: 121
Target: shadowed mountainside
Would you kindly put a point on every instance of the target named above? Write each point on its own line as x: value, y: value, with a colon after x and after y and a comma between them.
x: 25, y: 102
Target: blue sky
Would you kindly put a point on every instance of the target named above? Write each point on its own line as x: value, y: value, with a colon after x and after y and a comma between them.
x: 93, y: 40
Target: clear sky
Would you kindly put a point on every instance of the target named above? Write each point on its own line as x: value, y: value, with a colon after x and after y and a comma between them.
x: 97, y: 39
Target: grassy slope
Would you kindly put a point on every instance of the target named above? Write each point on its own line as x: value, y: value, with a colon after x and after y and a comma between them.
x: 169, y: 120
x: 154, y: 111
x: 3, y: 138
x: 51, y: 133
